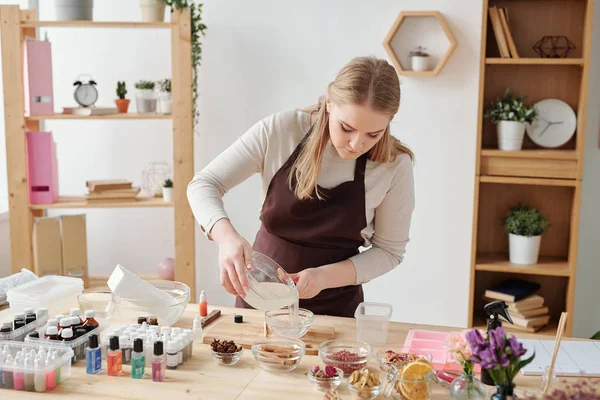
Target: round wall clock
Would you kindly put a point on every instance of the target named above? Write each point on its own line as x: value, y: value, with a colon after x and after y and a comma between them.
x: 555, y: 124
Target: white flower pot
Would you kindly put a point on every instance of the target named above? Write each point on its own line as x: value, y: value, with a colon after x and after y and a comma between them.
x: 167, y: 194
x: 164, y: 103
x: 524, y: 250
x: 420, y: 63
x: 152, y: 10
x: 145, y: 101
x: 74, y: 10
x: 510, y: 135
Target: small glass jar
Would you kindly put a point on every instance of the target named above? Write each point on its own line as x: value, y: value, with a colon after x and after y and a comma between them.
x: 466, y: 386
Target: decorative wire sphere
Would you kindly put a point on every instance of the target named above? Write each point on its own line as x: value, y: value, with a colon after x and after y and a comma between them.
x: 154, y: 175
x: 554, y: 47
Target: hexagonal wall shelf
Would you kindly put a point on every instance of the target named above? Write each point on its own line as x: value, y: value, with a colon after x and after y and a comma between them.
x: 427, y: 29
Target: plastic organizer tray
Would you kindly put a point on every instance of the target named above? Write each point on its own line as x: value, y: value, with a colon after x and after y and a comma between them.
x: 56, y: 293
x: 433, y: 343
x: 40, y: 379
x: 18, y: 335
x: 133, y: 331
x: 78, y: 346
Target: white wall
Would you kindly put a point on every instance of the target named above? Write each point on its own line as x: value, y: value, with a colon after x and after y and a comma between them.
x: 587, y: 313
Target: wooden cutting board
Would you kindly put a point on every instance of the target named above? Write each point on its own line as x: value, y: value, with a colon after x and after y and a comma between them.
x: 224, y: 328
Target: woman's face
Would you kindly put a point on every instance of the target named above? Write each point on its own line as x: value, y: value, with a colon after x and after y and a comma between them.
x: 355, y: 129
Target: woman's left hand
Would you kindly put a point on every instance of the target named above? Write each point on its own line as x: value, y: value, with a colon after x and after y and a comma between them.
x: 309, y: 282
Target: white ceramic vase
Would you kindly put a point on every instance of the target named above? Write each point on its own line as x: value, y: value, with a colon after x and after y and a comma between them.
x: 74, y: 10
x: 167, y: 194
x: 524, y: 250
x: 510, y: 135
x: 152, y: 10
x: 420, y: 63
x: 164, y: 103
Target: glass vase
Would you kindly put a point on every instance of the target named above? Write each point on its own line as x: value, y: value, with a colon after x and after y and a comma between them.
x: 503, y: 392
x: 466, y: 386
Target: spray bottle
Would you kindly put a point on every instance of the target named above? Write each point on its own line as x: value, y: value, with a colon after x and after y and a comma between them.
x: 493, y: 310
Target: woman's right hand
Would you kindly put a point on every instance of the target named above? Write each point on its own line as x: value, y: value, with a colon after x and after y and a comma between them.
x: 235, y: 256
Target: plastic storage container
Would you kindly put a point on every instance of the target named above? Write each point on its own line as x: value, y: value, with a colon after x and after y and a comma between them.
x: 18, y: 335
x: 41, y: 368
x: 56, y: 293
x: 372, y: 320
x: 78, y: 346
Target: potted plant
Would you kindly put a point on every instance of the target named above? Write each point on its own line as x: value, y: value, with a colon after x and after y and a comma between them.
x: 510, y: 114
x: 419, y: 59
x: 74, y: 10
x: 153, y: 10
x: 145, y: 100
x: 168, y: 190
x: 122, y: 103
x: 501, y: 356
x: 164, y: 103
x: 525, y: 226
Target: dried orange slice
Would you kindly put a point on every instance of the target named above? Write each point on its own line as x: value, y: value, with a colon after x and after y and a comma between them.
x: 414, y: 384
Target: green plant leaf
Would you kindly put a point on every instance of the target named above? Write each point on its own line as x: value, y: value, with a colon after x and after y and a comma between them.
x: 510, y: 108
x: 524, y: 220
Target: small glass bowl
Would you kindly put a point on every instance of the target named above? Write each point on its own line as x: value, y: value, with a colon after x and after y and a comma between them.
x: 281, y: 324
x: 367, y: 393
x: 227, y: 358
x: 407, y: 388
x: 329, y: 349
x: 278, y: 354
x: 326, y: 384
x: 386, y: 367
x: 98, y: 300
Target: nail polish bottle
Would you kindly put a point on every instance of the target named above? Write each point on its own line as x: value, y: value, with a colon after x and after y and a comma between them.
x: 158, y: 362
x: 39, y: 378
x: 202, y: 305
x: 138, y: 359
x: 93, y: 356
x: 114, y: 358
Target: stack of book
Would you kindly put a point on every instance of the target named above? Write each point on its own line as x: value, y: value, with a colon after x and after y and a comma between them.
x: 501, y: 27
x: 525, y: 307
x: 111, y: 190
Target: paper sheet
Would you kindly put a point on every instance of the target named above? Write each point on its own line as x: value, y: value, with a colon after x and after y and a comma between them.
x: 575, y: 358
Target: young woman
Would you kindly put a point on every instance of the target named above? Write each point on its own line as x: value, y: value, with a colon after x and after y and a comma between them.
x: 334, y: 179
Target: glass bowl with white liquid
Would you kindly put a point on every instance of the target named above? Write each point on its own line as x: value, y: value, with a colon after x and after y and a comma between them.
x: 289, y: 323
x: 269, y: 285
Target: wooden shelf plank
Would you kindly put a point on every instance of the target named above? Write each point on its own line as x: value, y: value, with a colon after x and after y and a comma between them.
x: 533, y: 153
x: 95, y: 24
x: 534, y: 61
x: 479, y: 322
x: 528, y: 181
x: 109, y: 116
x: 81, y: 202
x: 549, y: 266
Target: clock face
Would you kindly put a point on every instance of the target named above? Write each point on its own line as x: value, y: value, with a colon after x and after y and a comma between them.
x: 86, y: 95
x: 555, y: 124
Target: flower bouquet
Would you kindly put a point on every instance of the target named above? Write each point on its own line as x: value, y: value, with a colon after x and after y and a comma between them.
x: 501, y: 356
x: 466, y: 386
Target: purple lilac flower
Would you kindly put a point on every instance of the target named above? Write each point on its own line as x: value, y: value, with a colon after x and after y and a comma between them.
x: 503, y: 360
x: 497, y: 338
x: 517, y: 347
x: 475, y: 340
x: 487, y: 358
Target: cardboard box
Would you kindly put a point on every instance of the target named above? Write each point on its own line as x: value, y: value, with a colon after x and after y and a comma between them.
x: 74, y: 247
x: 47, y: 250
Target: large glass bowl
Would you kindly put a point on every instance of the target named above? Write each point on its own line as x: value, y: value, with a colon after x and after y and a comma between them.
x: 270, y: 286
x: 347, y: 355
x: 129, y: 309
x: 282, y: 323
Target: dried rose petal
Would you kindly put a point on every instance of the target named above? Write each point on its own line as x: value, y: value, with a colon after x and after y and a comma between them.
x: 330, y: 371
x: 315, y: 369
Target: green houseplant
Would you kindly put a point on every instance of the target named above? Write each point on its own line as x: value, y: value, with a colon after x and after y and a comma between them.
x: 168, y: 190
x: 419, y: 59
x: 164, y: 101
x: 121, y: 102
x: 525, y: 226
x: 510, y: 114
x: 145, y: 100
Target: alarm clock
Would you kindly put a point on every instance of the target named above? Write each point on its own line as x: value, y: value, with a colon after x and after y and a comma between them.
x: 554, y: 125
x: 86, y: 93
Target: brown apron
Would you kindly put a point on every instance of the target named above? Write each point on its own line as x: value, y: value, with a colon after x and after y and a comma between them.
x: 300, y: 234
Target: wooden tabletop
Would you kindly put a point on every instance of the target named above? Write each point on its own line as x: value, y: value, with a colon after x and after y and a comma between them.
x: 202, y: 378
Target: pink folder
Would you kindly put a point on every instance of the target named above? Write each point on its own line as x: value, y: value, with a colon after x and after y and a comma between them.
x: 42, y: 168
x: 37, y: 77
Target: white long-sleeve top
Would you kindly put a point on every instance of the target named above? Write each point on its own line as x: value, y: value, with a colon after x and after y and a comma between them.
x: 264, y: 148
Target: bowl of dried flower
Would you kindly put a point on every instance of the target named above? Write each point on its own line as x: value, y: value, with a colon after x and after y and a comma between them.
x: 325, y: 379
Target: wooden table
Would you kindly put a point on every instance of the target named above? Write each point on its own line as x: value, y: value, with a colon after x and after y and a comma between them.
x: 202, y: 378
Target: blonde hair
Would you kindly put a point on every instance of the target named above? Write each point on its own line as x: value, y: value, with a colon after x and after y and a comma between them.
x: 364, y: 80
